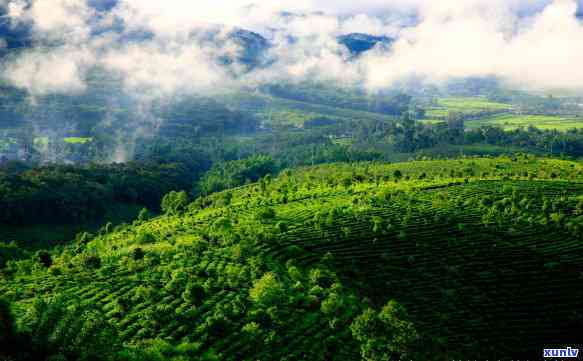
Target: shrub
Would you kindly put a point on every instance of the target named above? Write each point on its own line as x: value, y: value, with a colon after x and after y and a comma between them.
x: 144, y: 215
x: 138, y: 254
x: 6, y: 327
x: 145, y: 238
x: 383, y: 334
x: 92, y: 262
x: 266, y: 214
x: 174, y: 202
x: 44, y: 258
x: 194, y: 294
x: 267, y: 290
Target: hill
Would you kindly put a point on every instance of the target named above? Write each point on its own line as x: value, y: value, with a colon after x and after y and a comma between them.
x: 459, y: 259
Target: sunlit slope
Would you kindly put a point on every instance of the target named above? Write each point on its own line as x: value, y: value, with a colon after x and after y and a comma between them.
x: 485, y: 254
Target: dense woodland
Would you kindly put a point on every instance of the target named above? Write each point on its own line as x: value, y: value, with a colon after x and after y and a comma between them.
x: 72, y: 194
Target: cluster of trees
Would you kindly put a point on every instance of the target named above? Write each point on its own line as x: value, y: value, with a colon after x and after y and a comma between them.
x: 408, y: 135
x: 225, y: 175
x: 72, y: 194
x: 552, y: 142
x: 392, y: 104
x: 54, y: 329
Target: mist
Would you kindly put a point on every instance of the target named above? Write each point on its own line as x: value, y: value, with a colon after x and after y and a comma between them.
x: 164, y: 48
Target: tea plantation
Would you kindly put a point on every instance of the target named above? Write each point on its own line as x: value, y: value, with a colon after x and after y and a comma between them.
x: 470, y: 258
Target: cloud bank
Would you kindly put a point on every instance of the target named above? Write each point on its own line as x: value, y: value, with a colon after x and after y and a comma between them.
x: 173, y: 46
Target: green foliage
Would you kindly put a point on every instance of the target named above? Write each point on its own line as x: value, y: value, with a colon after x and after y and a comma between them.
x: 214, y: 282
x: 73, y: 195
x: 92, y: 262
x: 383, y: 334
x: 144, y: 215
x: 144, y: 238
x: 138, y: 254
x: 8, y: 252
x: 7, y: 331
x: 194, y: 294
x: 267, y: 290
x: 236, y: 173
x: 53, y: 330
x: 44, y: 258
x: 266, y: 214
x: 174, y: 202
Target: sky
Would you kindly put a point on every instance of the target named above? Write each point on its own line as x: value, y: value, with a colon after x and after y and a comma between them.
x: 534, y: 44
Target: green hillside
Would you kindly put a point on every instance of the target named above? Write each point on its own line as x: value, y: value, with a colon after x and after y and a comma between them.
x: 291, y: 268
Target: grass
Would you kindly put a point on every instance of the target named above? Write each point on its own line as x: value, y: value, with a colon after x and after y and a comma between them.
x: 465, y: 105
x: 287, y: 116
x: 512, y: 121
x: 472, y: 103
x: 450, y: 150
x: 432, y: 121
x: 77, y: 140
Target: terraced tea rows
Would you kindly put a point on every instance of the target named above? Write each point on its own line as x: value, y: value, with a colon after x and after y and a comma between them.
x: 484, y: 254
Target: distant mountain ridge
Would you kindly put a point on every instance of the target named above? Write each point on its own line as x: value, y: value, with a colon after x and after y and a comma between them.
x: 359, y: 43
x: 254, y: 45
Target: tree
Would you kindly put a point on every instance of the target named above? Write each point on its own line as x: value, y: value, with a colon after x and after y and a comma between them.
x: 55, y: 330
x: 145, y: 238
x: 92, y: 262
x: 6, y: 328
x: 174, y: 202
x: 267, y: 290
x: 194, y: 294
x: 138, y: 254
x: 144, y: 215
x: 407, y: 141
x: 44, y: 258
x: 385, y: 334
x: 455, y: 126
x: 266, y: 214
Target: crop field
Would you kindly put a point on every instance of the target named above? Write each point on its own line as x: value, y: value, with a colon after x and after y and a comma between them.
x: 464, y: 105
x: 77, y: 140
x: 512, y: 121
x: 484, y: 253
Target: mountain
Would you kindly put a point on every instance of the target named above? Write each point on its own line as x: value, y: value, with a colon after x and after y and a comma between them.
x: 254, y: 45
x: 14, y: 36
x: 359, y: 43
x: 253, y: 48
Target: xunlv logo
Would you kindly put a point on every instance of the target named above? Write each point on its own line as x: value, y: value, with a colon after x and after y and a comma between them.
x: 561, y: 352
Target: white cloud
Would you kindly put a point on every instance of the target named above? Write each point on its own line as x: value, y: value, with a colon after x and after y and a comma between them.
x: 55, y: 71
x: 450, y: 38
x: 542, y: 51
x: 164, y: 68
